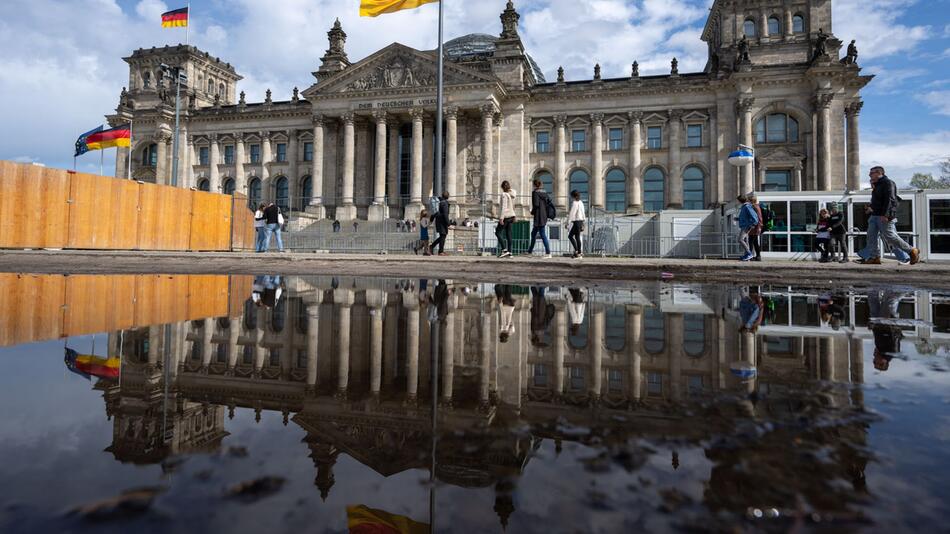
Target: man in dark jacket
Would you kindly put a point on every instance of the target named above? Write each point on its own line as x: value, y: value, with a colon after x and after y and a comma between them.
x: 839, y: 232
x: 272, y: 220
x: 882, y: 221
x: 441, y: 219
x: 539, y: 213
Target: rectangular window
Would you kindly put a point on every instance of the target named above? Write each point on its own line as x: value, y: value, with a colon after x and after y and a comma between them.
x: 694, y: 135
x: 540, y: 375
x: 777, y: 181
x: 615, y: 380
x: 255, y: 153
x: 281, y: 151
x: 543, y: 142
x: 654, y: 384
x: 578, y: 141
x: 655, y: 137
x: 939, y: 225
x: 203, y: 157
x: 615, y: 139
x: 308, y: 151
x: 577, y: 377
x: 229, y: 154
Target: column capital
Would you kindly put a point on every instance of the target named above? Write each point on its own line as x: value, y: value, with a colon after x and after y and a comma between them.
x: 380, y: 116
x: 635, y: 116
x: 265, y: 136
x: 823, y: 100
x: 451, y: 112
x: 488, y: 110
x: 854, y: 108
x: 190, y: 139
x: 291, y: 133
x: 318, y: 120
x: 597, y: 117
x: 675, y: 114
x: 238, y: 136
x: 161, y: 136
x: 417, y: 114
x: 560, y: 120
x: 348, y: 118
x: 744, y: 105
x: 213, y: 137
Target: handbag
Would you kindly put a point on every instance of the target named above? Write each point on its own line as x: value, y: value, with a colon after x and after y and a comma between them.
x: 280, y: 218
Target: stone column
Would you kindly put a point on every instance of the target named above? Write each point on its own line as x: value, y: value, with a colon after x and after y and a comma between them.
x: 343, y: 300
x: 714, y: 183
x: 189, y: 168
x: 240, y: 180
x: 560, y: 163
x: 267, y: 190
x: 415, y: 184
x: 597, y: 160
x: 451, y: 154
x: 760, y: 182
x: 595, y: 342
x: 412, y: 351
x: 635, y: 177
x: 485, y: 354
x: 448, y: 351
x: 213, y: 159
x: 347, y: 210
x: 823, y: 106
x: 788, y: 22
x: 378, y: 210
x: 797, y: 184
x: 162, y: 174
x: 676, y: 175
x: 392, y: 188
x: 316, y: 173
x: 207, y: 329
x: 293, y: 189
x: 122, y: 156
x: 313, y: 343
x: 747, y: 354
x: 488, y: 131
x: 854, y: 145
x: 376, y: 300
x: 234, y: 332
x: 747, y: 173
x: 560, y: 338
x: 634, y: 319
x: 674, y: 328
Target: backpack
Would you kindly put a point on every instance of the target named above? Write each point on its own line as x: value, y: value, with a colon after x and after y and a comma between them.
x: 549, y: 205
x: 768, y: 218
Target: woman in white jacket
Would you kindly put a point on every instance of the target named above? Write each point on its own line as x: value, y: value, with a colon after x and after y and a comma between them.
x: 506, y: 220
x: 575, y: 222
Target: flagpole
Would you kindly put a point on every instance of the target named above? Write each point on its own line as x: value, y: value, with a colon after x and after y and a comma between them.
x: 437, y: 182
x: 187, y: 22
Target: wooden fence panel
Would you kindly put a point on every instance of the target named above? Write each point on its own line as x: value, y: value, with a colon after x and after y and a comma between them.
x: 210, y: 222
x: 31, y: 308
x: 164, y: 218
x: 44, y: 193
x: 92, y: 213
x: 125, y: 218
x: 207, y: 296
x: 242, y: 224
x: 239, y: 293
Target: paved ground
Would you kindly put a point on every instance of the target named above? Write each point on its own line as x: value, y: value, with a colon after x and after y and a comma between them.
x: 512, y: 270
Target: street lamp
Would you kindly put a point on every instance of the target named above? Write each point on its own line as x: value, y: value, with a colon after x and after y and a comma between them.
x: 742, y: 156
x: 181, y: 78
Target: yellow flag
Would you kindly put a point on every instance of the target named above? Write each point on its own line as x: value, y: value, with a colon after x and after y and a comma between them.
x: 373, y: 8
x: 362, y: 519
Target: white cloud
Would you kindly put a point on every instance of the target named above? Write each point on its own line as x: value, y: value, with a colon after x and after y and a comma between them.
x: 939, y: 101
x: 903, y: 155
x: 873, y: 23
x: 889, y: 81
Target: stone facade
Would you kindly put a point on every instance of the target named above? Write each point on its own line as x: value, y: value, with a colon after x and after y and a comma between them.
x: 359, y: 142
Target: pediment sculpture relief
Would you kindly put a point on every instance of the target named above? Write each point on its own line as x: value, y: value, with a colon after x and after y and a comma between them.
x: 399, y: 74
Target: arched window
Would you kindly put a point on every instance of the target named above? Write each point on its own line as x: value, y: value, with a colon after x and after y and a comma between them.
x: 306, y: 192
x: 229, y: 186
x: 615, y: 328
x: 210, y: 86
x: 146, y: 80
x: 580, y: 181
x: 776, y: 128
x: 654, y: 331
x: 282, y: 193
x: 616, y: 191
x: 654, y: 194
x: 748, y: 28
x: 254, y: 192
x: 221, y: 90
x: 547, y: 182
x: 150, y: 155
x: 694, y: 188
x: 204, y: 184
x: 775, y: 27
x: 694, y: 334
x: 798, y: 24
x: 278, y: 316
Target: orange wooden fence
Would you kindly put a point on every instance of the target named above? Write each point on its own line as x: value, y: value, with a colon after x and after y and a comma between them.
x: 53, y: 208
x: 44, y: 307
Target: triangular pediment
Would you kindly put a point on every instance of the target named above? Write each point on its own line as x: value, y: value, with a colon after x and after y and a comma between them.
x: 780, y: 155
x: 397, y: 67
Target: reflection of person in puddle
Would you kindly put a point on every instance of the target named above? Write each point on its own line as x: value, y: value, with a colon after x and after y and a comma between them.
x: 883, y: 303
x: 577, y: 308
x: 887, y: 343
x: 506, y: 312
x: 541, y: 315
x: 750, y: 311
x: 266, y: 290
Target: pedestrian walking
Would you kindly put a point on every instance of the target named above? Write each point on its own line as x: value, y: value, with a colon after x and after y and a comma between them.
x: 748, y: 219
x: 839, y: 233
x: 259, y: 228
x: 755, y: 236
x: 506, y: 312
x: 423, y: 243
x: 577, y: 308
x: 441, y: 219
x: 336, y: 226
x: 506, y: 220
x: 542, y: 313
x: 882, y: 223
x: 541, y: 208
x: 823, y: 236
x: 273, y: 220
x: 575, y: 223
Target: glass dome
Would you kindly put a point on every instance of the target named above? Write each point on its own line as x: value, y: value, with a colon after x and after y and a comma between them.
x: 481, y: 45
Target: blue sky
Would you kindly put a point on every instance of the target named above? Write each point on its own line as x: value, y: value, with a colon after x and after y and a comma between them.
x: 62, y: 68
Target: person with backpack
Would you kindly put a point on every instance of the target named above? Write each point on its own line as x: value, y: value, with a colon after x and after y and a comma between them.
x: 755, y: 236
x: 274, y: 220
x: 441, y: 219
x: 748, y: 219
x: 259, y: 227
x: 542, y: 209
x: 839, y: 233
x: 575, y: 221
x: 882, y: 223
x: 506, y: 220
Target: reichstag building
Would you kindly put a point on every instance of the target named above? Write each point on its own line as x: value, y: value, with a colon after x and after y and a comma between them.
x: 359, y: 142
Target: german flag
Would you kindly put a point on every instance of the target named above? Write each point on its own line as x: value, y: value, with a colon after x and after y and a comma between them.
x: 177, y: 18
x: 86, y: 365
x: 374, y: 8
x: 118, y: 136
x: 362, y: 519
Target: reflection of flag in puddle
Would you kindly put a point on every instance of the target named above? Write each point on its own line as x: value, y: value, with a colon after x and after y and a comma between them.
x: 361, y: 519
x: 87, y: 366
